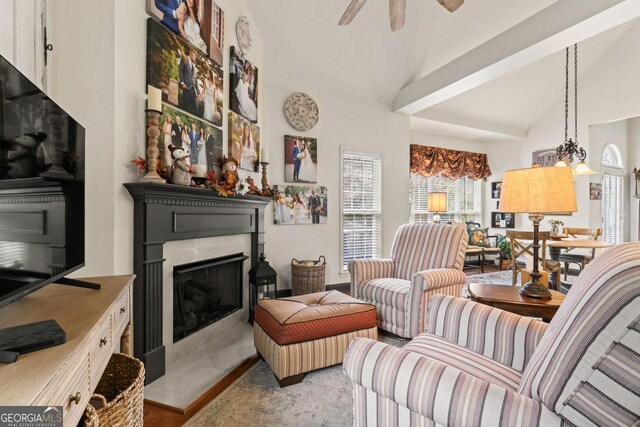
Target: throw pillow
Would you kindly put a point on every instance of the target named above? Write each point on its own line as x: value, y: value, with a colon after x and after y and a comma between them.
x: 478, y: 236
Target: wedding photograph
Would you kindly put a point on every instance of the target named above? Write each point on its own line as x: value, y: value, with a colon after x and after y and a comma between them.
x: 199, y: 22
x: 243, y: 86
x: 300, y: 205
x: 244, y: 142
x: 187, y: 78
x: 300, y: 159
x: 203, y: 141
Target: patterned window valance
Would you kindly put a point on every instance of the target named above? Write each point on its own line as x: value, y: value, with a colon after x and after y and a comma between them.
x: 453, y: 164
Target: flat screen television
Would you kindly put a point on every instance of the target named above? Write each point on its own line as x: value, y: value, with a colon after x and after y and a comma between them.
x: 42, y: 192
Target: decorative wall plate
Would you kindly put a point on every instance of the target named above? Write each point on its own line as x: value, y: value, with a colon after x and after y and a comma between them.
x: 301, y: 111
x: 243, y: 34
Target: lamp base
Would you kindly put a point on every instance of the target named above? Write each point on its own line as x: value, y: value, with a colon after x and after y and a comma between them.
x: 534, y: 289
x: 436, y: 218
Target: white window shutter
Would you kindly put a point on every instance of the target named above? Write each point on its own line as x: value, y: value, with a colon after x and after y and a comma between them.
x: 361, y: 206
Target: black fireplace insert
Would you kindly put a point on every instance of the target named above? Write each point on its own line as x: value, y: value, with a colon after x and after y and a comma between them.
x: 205, y: 292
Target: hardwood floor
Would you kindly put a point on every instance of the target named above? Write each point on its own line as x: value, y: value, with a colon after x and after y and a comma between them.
x: 159, y: 415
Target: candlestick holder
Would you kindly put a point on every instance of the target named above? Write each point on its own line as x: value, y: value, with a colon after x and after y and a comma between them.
x: 153, y: 132
x: 266, y: 190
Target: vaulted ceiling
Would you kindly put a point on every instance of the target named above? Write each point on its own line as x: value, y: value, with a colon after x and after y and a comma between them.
x: 367, y: 60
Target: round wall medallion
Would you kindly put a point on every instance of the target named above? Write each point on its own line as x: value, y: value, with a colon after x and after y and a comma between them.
x: 243, y: 34
x: 301, y: 111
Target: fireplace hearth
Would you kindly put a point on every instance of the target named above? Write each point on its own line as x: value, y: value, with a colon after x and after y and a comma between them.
x: 205, y: 292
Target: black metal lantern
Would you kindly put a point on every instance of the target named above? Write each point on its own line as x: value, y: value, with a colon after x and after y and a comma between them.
x: 263, y: 282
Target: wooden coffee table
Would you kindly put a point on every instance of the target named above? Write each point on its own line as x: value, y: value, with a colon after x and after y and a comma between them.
x: 508, y: 298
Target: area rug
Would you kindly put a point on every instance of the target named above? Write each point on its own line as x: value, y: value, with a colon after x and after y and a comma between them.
x: 323, y: 398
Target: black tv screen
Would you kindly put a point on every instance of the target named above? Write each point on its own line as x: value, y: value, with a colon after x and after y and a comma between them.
x: 41, y: 188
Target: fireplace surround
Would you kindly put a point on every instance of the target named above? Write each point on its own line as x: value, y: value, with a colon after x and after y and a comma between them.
x: 166, y: 212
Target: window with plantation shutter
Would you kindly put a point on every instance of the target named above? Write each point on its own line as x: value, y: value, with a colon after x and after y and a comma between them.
x: 463, y: 198
x: 361, y: 206
x: 612, y: 195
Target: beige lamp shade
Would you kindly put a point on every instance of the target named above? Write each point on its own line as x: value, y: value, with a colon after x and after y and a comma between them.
x: 538, y: 190
x: 437, y: 202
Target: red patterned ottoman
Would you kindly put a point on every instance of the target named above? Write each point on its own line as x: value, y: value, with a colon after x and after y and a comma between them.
x: 307, y: 332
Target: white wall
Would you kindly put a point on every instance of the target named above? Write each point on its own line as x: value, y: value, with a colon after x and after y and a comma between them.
x: 345, y: 121
x: 82, y: 69
x: 98, y: 69
x: 503, y: 156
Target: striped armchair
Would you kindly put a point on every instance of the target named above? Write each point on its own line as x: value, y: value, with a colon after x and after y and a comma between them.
x: 426, y: 259
x: 481, y: 366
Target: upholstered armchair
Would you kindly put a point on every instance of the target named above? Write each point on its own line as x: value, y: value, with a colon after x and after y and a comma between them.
x: 476, y: 365
x: 426, y: 259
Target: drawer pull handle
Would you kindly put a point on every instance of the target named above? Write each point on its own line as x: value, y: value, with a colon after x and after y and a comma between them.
x: 123, y: 309
x: 103, y: 341
x: 74, y: 399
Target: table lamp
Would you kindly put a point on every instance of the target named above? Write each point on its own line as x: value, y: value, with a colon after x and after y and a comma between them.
x: 436, y: 203
x: 537, y: 191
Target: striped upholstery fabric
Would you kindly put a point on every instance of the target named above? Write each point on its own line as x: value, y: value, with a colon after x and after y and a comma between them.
x: 390, y: 299
x: 393, y: 387
x: 419, y: 247
x: 426, y: 284
x: 436, y: 348
x: 363, y: 270
x: 504, y: 337
x: 587, y: 366
x: 294, y: 359
x: 426, y: 259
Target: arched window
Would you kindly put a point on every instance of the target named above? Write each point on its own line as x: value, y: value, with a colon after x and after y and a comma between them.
x: 613, y: 194
x: 611, y: 157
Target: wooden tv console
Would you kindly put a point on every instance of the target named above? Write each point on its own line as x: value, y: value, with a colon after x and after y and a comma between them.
x: 97, y: 323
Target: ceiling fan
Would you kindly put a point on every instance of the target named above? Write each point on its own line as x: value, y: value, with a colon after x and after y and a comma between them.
x: 397, y: 11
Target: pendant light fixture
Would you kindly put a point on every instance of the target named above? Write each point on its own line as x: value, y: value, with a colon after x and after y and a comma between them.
x: 570, y: 149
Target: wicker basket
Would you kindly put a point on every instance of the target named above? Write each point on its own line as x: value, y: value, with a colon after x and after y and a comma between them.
x: 119, y: 397
x: 307, y: 276
x: 90, y: 417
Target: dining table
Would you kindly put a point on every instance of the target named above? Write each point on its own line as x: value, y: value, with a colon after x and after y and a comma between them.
x: 556, y: 247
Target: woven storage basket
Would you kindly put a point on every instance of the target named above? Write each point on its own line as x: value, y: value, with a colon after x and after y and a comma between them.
x: 119, y: 397
x: 90, y: 417
x: 307, y: 276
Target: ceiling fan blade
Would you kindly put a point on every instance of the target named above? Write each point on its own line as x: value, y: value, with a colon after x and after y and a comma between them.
x: 397, y: 13
x: 451, y: 5
x: 351, y: 12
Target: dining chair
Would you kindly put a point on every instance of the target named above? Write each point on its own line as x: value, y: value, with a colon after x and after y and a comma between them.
x: 581, y: 259
x: 521, y: 243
